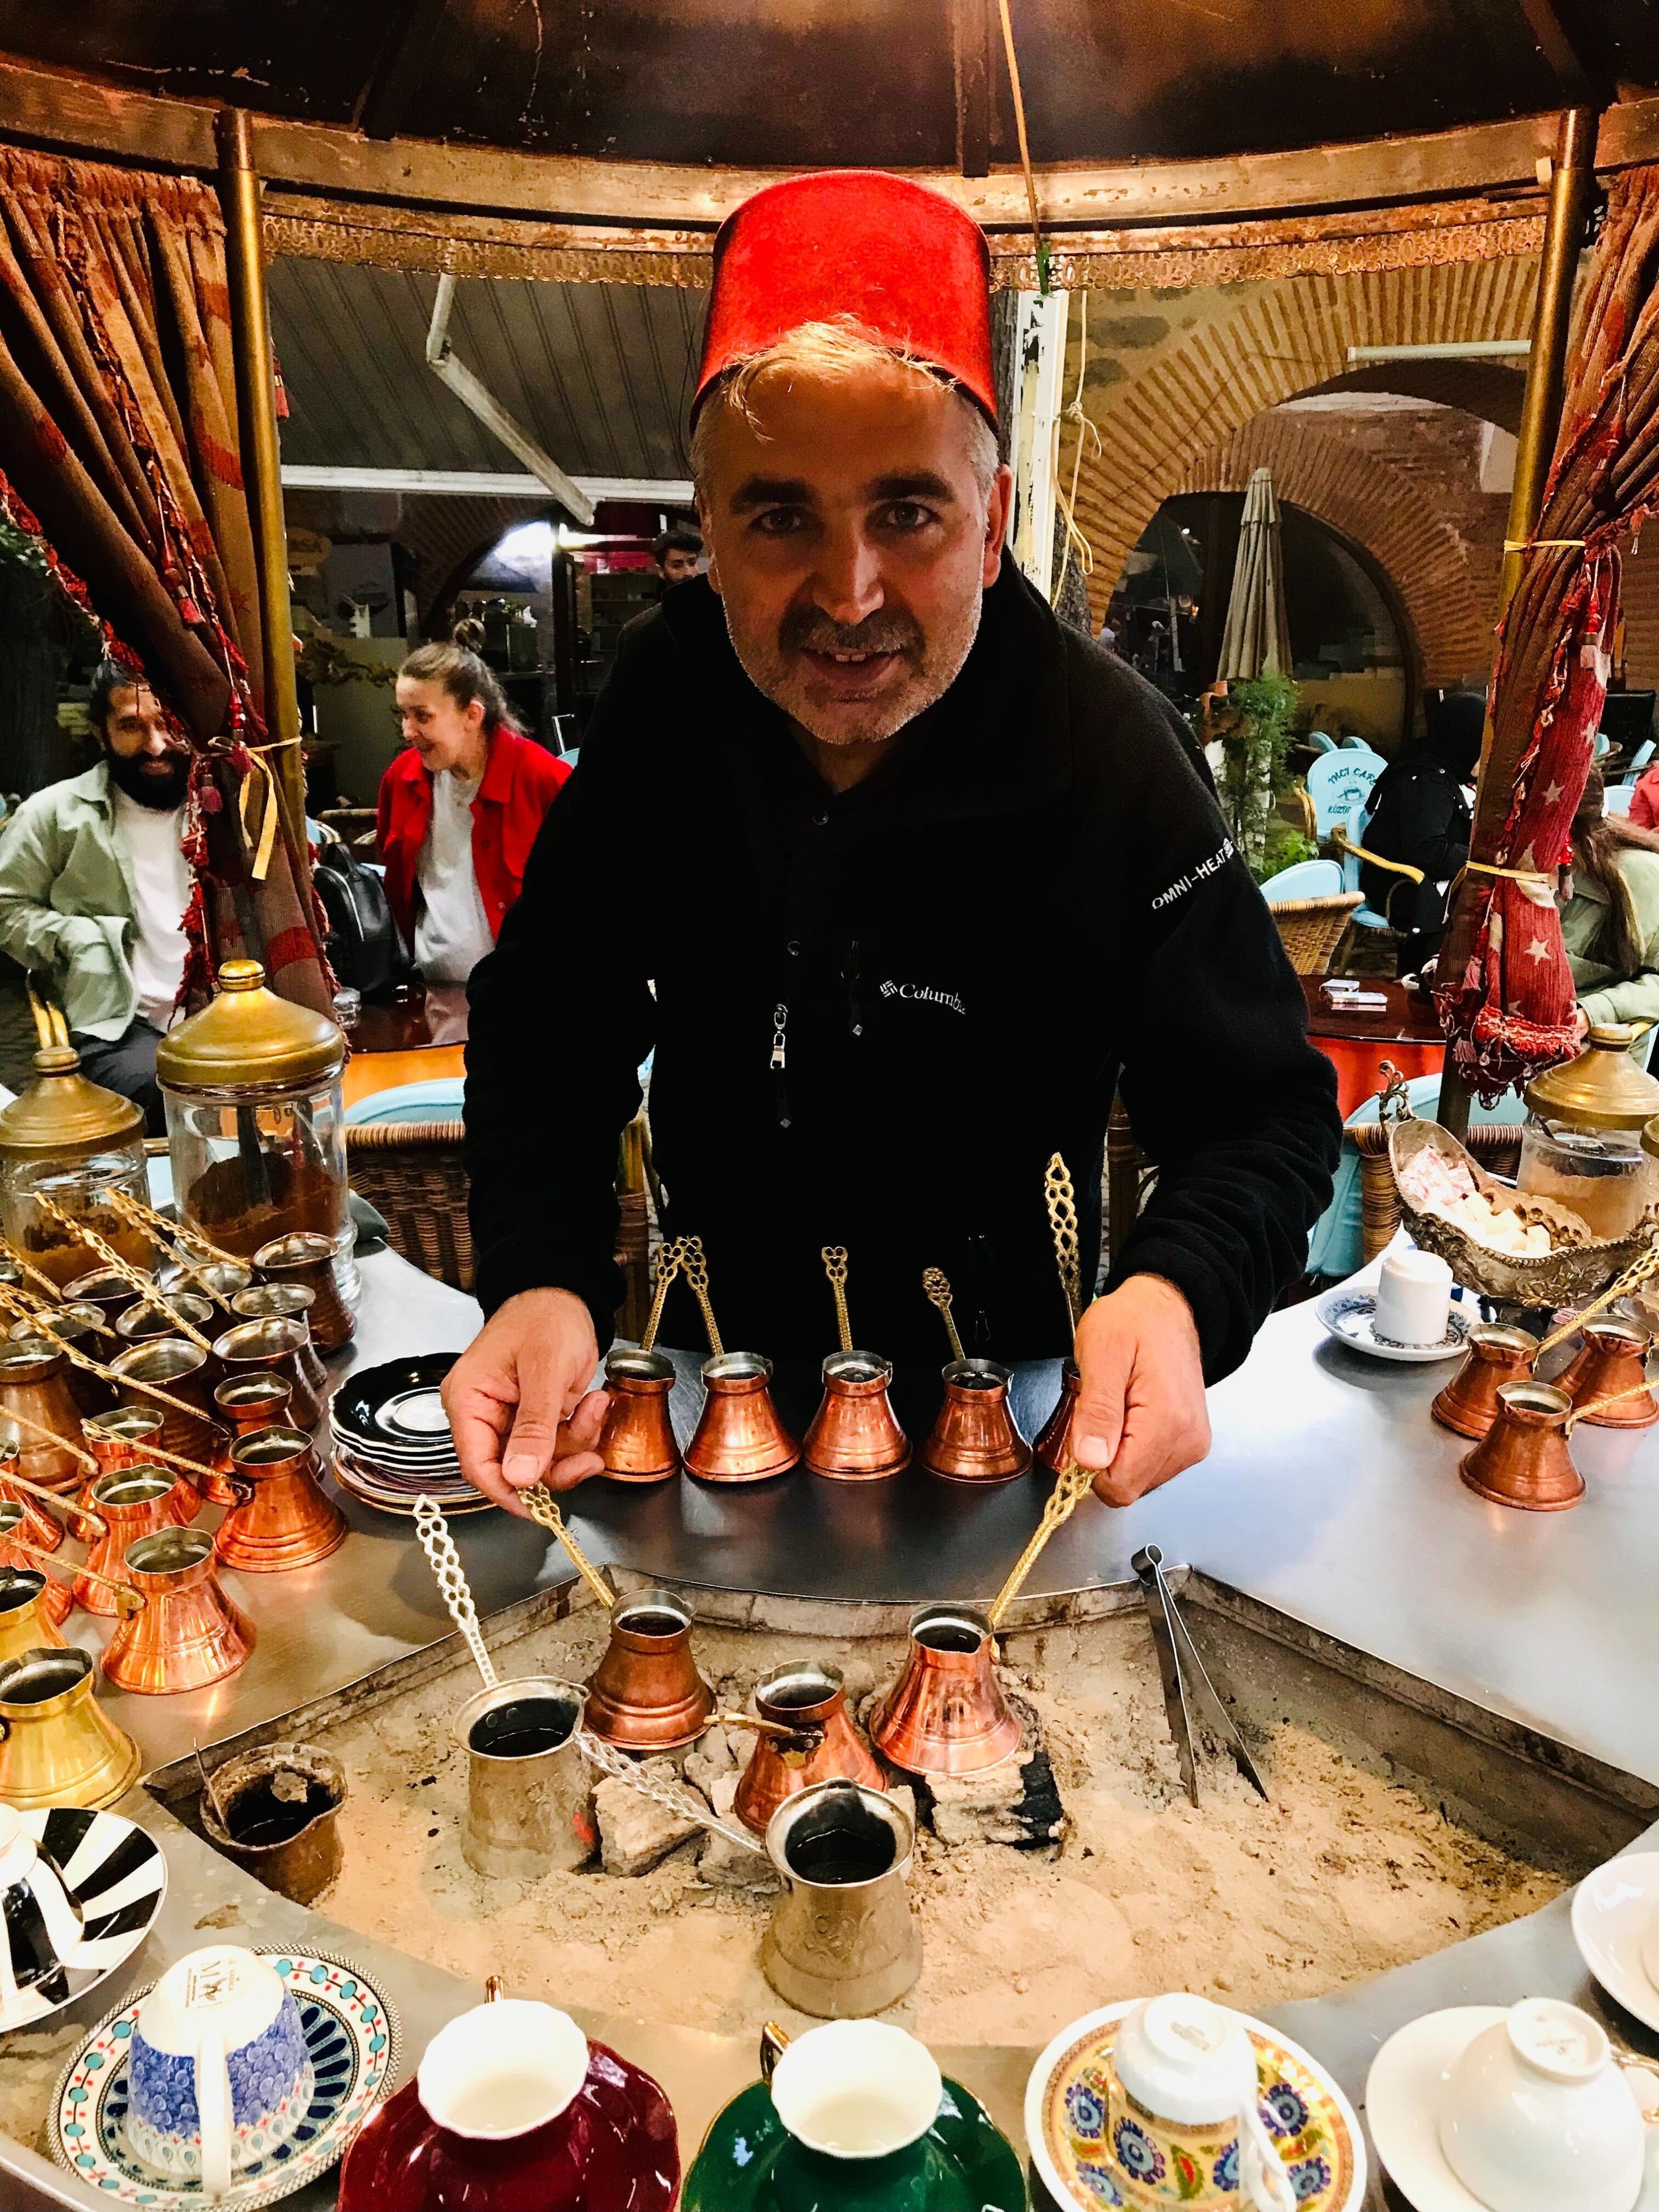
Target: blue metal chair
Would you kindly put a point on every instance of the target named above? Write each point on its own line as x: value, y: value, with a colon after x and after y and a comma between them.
x: 1358, y: 745
x: 1320, y: 742
x: 1353, y: 853
x: 1307, y: 879
x: 1616, y: 799
x: 1338, y: 782
x: 1639, y: 761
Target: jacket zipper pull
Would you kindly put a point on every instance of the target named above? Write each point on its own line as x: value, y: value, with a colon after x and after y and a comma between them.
x: 779, y: 1025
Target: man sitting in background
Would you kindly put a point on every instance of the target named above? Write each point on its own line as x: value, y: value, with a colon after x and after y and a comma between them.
x: 94, y: 886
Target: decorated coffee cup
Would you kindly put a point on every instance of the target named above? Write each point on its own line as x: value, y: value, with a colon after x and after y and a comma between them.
x: 1537, y: 2115
x: 857, y: 2098
x: 40, y: 1921
x: 1183, y: 2071
x: 219, y: 2075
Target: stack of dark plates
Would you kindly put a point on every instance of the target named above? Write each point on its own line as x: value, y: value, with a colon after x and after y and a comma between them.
x: 392, y: 1439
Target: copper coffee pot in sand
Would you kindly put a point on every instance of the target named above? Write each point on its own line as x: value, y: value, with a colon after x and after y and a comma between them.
x: 243, y: 1405
x: 637, y: 1441
x: 808, y: 1699
x: 189, y: 1633
x: 307, y: 1259
x: 277, y: 1345
x: 285, y: 1520
x: 739, y: 1437
x: 1613, y: 1364
x: 646, y: 1693
x: 1468, y: 1404
x: 57, y: 1745
x: 855, y: 1435
x: 946, y: 1713
x: 133, y: 1502
x: 1523, y: 1459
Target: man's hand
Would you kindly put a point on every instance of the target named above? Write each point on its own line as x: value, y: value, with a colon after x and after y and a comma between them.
x: 1141, y: 1414
x: 518, y: 1399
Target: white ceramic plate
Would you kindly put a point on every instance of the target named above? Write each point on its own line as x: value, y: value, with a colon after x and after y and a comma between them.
x: 1347, y: 1313
x: 1403, y: 2093
x: 1080, y: 2050
x: 1611, y: 1909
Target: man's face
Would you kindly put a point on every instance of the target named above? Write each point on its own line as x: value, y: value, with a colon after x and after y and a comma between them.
x: 678, y: 566
x: 145, y: 759
x: 850, y: 541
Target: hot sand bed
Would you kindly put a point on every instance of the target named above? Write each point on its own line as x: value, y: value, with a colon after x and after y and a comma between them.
x: 1345, y: 1873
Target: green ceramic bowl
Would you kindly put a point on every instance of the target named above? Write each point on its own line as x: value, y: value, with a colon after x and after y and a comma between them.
x: 748, y: 2163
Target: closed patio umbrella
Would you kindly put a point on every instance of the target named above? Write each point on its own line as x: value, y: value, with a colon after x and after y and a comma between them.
x: 1256, y: 637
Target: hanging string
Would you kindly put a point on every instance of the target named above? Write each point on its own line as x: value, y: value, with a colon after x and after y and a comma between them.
x: 1075, y: 541
x: 1039, y: 244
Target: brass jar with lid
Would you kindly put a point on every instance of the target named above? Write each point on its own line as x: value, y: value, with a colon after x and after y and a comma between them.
x: 255, y: 1121
x: 1582, y: 1144
x: 69, y: 1142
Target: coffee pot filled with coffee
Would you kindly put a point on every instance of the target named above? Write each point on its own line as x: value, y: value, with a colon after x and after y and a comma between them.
x: 637, y: 1441
x: 974, y: 1437
x: 855, y: 1435
x: 739, y: 1437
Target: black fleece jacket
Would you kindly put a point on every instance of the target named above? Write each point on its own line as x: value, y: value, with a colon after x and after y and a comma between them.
x: 876, y: 1015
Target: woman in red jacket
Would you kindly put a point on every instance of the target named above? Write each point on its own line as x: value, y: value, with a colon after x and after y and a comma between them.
x: 459, y: 809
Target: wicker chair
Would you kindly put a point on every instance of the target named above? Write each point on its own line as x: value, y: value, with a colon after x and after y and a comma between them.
x: 1313, y: 929
x: 411, y: 1172
x: 1496, y: 1145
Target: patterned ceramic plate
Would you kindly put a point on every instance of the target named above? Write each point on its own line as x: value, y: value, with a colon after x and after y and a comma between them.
x: 116, y: 1873
x: 1307, y: 2114
x: 351, y: 2035
x: 1348, y: 1315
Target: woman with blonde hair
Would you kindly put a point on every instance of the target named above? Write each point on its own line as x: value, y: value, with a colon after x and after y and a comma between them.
x: 460, y: 808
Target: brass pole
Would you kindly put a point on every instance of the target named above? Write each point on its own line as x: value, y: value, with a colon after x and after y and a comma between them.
x: 1573, y: 181
x: 255, y: 409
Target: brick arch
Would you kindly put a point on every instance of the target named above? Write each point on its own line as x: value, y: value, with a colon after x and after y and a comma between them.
x: 1186, y: 378
x: 1448, y: 608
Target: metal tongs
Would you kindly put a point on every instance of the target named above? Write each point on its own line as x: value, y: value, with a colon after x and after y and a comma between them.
x: 1183, y: 1670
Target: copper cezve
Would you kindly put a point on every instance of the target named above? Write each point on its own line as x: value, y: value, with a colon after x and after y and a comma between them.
x: 946, y: 1713
x: 1614, y: 1359
x: 646, y: 1693
x: 1468, y: 1404
x: 1524, y: 1460
x: 855, y: 1435
x: 1054, y: 1444
x: 809, y: 1698
x: 975, y: 1439
x: 637, y: 1440
x: 285, y: 1520
x: 739, y: 1437
x: 189, y: 1633
x: 133, y: 1502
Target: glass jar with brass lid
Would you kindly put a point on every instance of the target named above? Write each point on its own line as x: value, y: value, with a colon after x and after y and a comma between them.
x: 68, y: 1143
x: 1582, y: 1145
x: 255, y: 1121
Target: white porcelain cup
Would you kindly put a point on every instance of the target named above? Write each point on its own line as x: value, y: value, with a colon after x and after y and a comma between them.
x: 1650, y: 1949
x: 39, y: 1921
x: 857, y: 2089
x: 1414, y: 1298
x: 1538, y: 2118
x: 501, y: 2069
x: 218, y: 2072
x: 1184, y: 2059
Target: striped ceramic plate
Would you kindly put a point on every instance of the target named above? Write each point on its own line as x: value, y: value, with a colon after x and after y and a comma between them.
x: 116, y: 1873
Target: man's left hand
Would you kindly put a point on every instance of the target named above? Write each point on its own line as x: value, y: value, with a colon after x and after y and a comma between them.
x: 1141, y: 1415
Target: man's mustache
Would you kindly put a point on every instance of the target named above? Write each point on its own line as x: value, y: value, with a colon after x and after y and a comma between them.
x: 808, y: 630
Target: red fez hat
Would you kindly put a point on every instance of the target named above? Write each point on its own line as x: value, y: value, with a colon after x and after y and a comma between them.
x: 902, y: 261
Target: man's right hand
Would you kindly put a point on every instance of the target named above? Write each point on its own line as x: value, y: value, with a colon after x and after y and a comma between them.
x: 518, y: 1399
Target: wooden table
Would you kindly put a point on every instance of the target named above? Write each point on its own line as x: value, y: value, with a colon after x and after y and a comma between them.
x: 1407, y: 1031
x: 399, y: 1042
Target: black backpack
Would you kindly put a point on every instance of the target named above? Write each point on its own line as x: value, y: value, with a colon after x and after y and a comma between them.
x: 364, y: 948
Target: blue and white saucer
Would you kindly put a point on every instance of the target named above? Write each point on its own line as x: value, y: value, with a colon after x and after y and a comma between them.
x: 351, y: 2039
x: 1350, y: 1315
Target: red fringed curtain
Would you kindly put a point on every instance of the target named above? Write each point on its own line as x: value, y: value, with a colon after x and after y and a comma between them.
x: 1505, y: 991
x: 118, y: 448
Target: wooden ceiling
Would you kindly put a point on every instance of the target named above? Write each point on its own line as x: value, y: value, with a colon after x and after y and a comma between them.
x: 911, y: 83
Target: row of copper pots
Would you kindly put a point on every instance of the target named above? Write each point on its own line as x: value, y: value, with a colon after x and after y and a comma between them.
x: 855, y: 1435
x: 304, y: 1260
x: 1522, y: 1426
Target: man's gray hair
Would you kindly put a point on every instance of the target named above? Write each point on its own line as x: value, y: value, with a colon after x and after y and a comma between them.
x: 842, y: 347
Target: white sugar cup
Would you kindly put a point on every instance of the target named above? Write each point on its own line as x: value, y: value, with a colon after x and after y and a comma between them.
x: 1185, y: 2060
x: 1537, y: 2117
x: 503, y: 2070
x: 1413, y: 1298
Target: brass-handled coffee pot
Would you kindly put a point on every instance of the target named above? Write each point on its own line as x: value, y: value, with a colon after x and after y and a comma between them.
x: 189, y: 1633
x: 637, y: 1441
x: 739, y: 1437
x: 284, y: 1520
x: 855, y: 1435
x: 974, y: 1437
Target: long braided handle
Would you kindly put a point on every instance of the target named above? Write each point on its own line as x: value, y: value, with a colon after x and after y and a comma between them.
x: 1068, y: 1494
x: 128, y: 1600
x: 539, y: 1503
x: 1061, y: 1200
x: 166, y: 1236
x: 668, y: 1259
x: 835, y: 1265
x: 936, y: 1285
x: 70, y: 1511
x: 50, y: 1436
x: 1598, y: 1405
x: 10, y: 1252
x: 694, y: 1267
x: 450, y: 1575
x: 675, y: 1796
x: 1641, y: 1270
x: 134, y: 1279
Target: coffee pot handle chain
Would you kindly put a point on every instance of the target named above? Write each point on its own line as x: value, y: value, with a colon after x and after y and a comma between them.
x: 835, y: 1265
x: 670, y: 1259
x: 1061, y: 1200
x: 674, y: 1796
x: 936, y: 1285
x: 450, y: 1575
x: 694, y: 1266
x: 540, y: 1504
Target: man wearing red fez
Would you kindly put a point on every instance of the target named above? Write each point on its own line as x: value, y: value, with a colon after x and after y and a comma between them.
x: 935, y: 874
